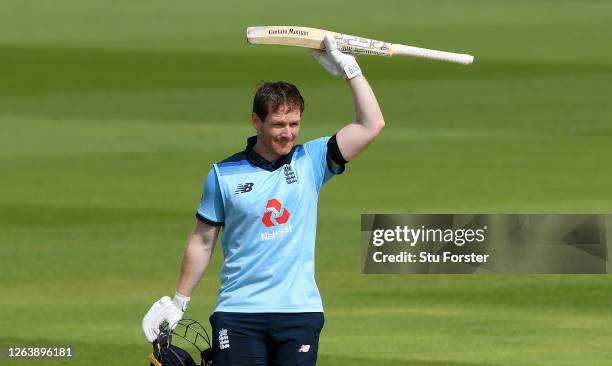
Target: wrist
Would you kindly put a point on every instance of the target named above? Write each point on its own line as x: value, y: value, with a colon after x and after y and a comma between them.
x: 181, y: 301
x: 351, y: 70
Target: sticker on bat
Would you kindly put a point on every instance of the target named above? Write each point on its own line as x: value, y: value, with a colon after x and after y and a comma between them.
x: 348, y: 43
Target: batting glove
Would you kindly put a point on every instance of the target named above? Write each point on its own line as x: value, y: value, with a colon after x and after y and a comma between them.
x: 167, y: 310
x: 336, y: 62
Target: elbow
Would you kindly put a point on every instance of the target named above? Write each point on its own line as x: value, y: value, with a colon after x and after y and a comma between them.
x: 207, y: 244
x: 372, y: 128
x: 377, y: 127
x: 200, y: 243
x: 381, y: 125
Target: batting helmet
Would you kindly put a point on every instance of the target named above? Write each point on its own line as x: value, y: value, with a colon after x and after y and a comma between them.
x: 188, y: 330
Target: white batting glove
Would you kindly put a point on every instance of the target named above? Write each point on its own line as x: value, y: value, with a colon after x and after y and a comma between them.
x: 164, y: 310
x: 336, y: 62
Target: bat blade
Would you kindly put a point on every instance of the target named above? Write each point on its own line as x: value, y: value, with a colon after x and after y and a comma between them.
x: 287, y: 36
x: 313, y: 38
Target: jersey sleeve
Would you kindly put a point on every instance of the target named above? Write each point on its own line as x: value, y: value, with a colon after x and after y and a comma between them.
x: 316, y: 150
x: 211, y: 209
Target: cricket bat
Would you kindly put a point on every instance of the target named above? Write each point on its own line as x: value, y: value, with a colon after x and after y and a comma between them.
x: 313, y: 38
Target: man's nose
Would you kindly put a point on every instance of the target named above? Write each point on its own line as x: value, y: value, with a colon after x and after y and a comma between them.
x: 286, y: 132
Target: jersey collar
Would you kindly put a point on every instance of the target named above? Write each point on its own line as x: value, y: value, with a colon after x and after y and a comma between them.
x: 260, y: 161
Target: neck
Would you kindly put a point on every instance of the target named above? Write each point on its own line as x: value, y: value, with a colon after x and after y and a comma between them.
x: 270, y: 156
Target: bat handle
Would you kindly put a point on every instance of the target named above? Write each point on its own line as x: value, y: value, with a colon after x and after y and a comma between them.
x: 459, y: 58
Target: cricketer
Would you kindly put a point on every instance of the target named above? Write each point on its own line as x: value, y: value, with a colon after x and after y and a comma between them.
x: 269, y: 310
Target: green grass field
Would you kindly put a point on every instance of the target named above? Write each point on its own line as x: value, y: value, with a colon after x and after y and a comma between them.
x: 112, y: 112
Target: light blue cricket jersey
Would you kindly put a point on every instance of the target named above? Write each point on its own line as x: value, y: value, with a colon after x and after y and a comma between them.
x: 269, y: 213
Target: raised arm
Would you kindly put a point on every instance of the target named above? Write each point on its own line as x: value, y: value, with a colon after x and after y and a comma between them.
x: 356, y: 136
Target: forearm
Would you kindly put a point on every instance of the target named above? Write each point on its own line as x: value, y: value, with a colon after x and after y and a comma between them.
x: 195, y: 261
x: 367, y: 111
x: 369, y: 122
x: 353, y: 138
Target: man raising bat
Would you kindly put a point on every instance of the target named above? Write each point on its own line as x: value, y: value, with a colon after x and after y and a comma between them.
x: 269, y: 310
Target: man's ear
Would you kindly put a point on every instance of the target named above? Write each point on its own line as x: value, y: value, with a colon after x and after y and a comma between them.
x: 256, y: 121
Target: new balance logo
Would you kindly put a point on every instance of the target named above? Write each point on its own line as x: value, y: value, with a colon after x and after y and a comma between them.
x: 304, y: 348
x: 243, y: 188
x: 223, y: 339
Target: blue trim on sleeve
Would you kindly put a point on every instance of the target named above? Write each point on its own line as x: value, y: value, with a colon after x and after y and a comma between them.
x: 207, y: 221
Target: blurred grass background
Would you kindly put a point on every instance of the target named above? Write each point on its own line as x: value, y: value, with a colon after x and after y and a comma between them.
x: 112, y: 112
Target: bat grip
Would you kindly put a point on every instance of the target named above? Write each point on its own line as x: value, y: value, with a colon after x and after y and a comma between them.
x: 459, y: 58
